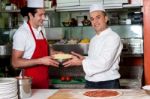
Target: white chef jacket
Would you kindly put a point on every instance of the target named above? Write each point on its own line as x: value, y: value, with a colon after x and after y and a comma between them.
x: 24, y: 41
x: 102, y: 62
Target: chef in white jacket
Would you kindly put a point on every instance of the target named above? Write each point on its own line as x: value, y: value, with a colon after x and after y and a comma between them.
x: 102, y: 63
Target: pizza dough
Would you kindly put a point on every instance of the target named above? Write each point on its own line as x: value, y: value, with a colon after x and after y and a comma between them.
x: 86, y: 94
x: 101, y: 93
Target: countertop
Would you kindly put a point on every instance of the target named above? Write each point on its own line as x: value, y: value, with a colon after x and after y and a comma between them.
x: 125, y: 93
x: 42, y: 93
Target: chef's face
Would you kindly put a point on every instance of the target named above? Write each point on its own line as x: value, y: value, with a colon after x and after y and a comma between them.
x: 98, y: 20
x: 38, y: 18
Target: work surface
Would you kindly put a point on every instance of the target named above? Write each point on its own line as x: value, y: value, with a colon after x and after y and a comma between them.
x: 78, y: 94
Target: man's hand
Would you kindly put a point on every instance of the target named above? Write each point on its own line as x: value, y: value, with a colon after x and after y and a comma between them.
x: 75, y: 61
x: 47, y: 60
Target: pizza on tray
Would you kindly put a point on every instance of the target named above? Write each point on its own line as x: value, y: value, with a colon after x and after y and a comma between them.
x: 101, y: 93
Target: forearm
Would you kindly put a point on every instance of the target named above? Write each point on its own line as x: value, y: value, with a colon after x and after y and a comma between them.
x: 23, y: 63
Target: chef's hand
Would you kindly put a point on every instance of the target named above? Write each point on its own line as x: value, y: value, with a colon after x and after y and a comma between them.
x: 75, y: 61
x: 78, y: 55
x: 48, y: 60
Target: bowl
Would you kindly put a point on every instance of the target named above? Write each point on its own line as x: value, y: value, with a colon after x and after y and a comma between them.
x: 66, y: 24
x: 84, y: 47
x: 86, y: 23
x: 147, y: 89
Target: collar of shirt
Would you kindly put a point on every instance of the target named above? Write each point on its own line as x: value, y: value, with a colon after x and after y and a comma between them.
x: 37, y: 32
x: 106, y: 31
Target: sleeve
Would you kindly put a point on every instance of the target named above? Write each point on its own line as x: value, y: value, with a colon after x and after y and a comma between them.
x: 19, y: 40
x: 111, y: 51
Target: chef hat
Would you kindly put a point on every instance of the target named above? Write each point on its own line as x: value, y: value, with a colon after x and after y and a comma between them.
x: 96, y: 7
x: 35, y: 3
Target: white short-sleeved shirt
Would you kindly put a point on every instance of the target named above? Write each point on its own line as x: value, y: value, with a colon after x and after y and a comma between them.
x: 23, y: 39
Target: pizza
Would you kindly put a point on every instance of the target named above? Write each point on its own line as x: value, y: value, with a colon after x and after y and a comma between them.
x: 62, y: 56
x: 101, y: 93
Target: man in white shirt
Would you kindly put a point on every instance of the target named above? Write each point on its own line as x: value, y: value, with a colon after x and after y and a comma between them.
x: 102, y: 63
x: 30, y: 48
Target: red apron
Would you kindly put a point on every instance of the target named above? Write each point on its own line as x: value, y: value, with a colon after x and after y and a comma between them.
x: 39, y: 73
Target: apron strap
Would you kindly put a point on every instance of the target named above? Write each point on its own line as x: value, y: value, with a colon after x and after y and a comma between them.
x: 31, y: 31
x: 42, y: 34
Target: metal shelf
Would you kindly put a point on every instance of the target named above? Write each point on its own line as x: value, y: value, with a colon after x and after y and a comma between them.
x: 9, y: 11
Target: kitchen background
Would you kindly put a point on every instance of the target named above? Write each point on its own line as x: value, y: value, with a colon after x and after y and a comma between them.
x: 68, y: 31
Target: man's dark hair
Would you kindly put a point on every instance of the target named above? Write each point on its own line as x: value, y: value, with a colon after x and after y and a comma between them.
x: 32, y: 10
x: 24, y: 11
